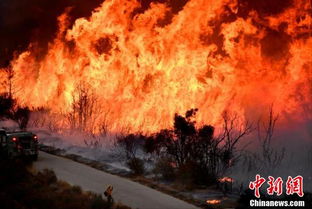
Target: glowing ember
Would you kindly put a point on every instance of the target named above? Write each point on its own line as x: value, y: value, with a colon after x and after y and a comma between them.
x: 213, y: 202
x: 226, y: 179
x: 142, y: 68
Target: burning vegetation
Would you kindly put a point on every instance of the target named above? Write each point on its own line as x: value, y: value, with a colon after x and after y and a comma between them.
x: 134, y: 64
x: 126, y: 68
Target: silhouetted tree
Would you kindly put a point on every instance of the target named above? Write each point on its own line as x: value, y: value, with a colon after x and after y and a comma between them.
x: 7, y: 104
x: 232, y: 132
x: 10, y: 110
x: 271, y: 157
x: 84, y: 109
x: 21, y: 116
x: 130, y: 144
x: 196, y: 151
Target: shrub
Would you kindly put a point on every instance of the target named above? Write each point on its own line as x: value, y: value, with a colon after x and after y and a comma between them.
x: 165, y: 168
x: 136, y: 165
x: 15, y: 172
x: 21, y: 116
x: 200, y: 156
x: 98, y: 203
x: 21, y: 189
x: 130, y: 145
x: 9, y: 109
x: 7, y: 104
x: 185, y: 174
x: 47, y: 177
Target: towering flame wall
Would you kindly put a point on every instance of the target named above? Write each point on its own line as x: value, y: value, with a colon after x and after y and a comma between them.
x: 145, y: 65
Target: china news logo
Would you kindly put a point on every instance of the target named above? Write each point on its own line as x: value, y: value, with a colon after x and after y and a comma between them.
x: 293, y: 185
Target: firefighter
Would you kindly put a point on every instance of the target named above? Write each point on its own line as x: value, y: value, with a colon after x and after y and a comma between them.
x: 108, y: 194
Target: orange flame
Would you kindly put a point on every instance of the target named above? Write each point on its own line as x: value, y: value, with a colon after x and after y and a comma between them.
x: 226, y: 179
x: 142, y: 72
x: 213, y: 202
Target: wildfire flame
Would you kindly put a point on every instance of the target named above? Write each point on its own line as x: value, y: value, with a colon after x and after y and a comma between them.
x: 145, y: 67
x: 226, y: 179
x: 213, y: 202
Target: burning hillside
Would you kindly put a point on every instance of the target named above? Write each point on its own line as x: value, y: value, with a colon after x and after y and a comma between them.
x: 140, y: 63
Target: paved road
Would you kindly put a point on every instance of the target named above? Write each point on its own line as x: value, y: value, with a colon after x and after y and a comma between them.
x: 125, y: 191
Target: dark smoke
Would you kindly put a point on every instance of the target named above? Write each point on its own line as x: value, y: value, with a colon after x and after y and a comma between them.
x: 275, y: 44
x: 26, y: 21
x: 35, y: 21
x: 263, y: 7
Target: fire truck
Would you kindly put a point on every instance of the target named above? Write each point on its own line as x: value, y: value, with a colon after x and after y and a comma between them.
x: 18, y: 144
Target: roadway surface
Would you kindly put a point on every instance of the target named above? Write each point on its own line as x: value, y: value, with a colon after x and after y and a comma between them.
x: 125, y: 191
